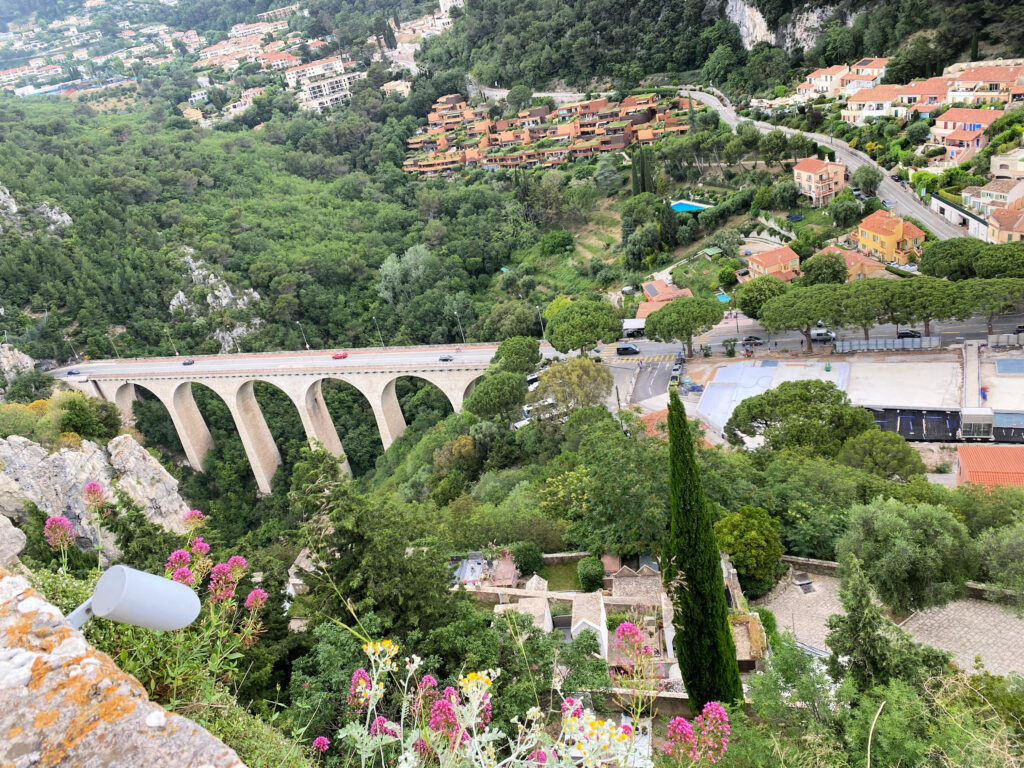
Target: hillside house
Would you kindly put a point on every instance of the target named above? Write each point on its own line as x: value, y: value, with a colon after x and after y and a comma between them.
x: 920, y: 98
x: 962, y: 131
x: 1006, y: 225
x: 887, y: 237
x: 998, y: 193
x: 877, y: 101
x: 1008, y: 166
x: 858, y: 265
x: 819, y: 180
x: 985, y: 84
x: 990, y: 465
x: 783, y: 263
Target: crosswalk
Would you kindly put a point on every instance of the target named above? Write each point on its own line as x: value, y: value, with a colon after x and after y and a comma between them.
x: 638, y: 358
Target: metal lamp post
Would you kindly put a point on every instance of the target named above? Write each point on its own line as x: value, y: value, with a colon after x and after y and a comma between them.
x: 457, y: 320
x: 303, y: 332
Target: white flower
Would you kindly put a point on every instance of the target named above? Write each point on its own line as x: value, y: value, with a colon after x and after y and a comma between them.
x: 412, y: 663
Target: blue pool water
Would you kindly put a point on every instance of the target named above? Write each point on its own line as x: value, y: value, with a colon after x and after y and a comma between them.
x: 683, y: 205
x: 724, y: 298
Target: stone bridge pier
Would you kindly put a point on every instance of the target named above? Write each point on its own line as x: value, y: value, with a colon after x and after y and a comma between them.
x: 304, y: 389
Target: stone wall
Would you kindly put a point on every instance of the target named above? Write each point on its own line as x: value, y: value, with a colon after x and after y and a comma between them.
x: 63, y: 703
x: 555, y: 558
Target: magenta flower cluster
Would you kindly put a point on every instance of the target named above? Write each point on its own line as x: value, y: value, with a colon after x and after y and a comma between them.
x: 572, y: 708
x: 178, y: 559
x: 321, y: 743
x: 426, y: 695
x: 222, y: 583
x: 706, y: 739
x: 359, y: 689
x: 381, y: 727
x: 256, y: 599
x: 93, y: 495
x: 58, y: 533
x: 198, y: 546
x: 184, y: 576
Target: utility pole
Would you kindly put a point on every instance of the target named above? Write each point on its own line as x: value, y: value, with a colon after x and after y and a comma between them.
x: 457, y: 320
x: 379, y: 334
x: 115, y: 348
x: 303, y: 334
x: 541, y: 316
x: 173, y: 345
x: 73, y: 350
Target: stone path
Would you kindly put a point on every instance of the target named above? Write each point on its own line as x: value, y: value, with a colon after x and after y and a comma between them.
x: 966, y: 628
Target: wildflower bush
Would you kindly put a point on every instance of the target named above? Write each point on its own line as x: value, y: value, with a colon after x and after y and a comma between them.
x: 403, y: 718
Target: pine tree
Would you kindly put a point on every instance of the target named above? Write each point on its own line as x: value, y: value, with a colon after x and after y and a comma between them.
x: 669, y: 226
x: 693, y: 577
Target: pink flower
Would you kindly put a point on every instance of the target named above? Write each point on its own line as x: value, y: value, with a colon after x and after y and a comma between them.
x: 572, y: 708
x: 193, y: 519
x: 426, y: 695
x: 485, y: 711
x: 321, y: 743
x: 93, y: 495
x: 222, y: 583
x: 237, y: 564
x: 381, y: 727
x: 57, y: 532
x: 198, y: 546
x: 706, y: 740
x: 256, y: 600
x: 539, y: 756
x: 184, y: 576
x: 359, y: 689
x: 421, y: 747
x: 178, y: 558
x: 680, y: 737
x: 443, y: 718
x: 627, y: 730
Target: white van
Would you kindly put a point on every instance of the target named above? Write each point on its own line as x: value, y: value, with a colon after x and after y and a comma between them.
x: 823, y: 334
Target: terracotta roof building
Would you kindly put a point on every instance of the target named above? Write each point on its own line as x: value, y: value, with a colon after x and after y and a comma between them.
x: 783, y: 263
x: 887, y: 237
x: 819, y: 180
x: 990, y: 464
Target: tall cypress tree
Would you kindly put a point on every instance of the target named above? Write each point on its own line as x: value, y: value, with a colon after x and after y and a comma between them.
x: 669, y: 226
x: 633, y: 173
x: 693, y: 577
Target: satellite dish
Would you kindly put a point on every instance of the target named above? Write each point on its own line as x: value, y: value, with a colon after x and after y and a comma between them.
x: 129, y: 596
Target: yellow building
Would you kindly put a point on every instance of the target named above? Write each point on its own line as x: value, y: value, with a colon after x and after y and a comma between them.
x: 1006, y: 225
x: 887, y: 237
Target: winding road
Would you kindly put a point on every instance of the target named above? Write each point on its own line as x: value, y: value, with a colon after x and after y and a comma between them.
x: 904, y: 201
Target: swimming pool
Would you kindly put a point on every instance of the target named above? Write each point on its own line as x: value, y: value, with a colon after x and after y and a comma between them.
x: 722, y: 297
x: 686, y: 205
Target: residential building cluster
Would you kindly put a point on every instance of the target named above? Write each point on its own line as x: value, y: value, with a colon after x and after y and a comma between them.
x: 458, y: 135
x: 323, y: 84
x: 993, y: 212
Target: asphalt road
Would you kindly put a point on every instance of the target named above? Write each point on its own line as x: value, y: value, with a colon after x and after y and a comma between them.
x: 904, y: 201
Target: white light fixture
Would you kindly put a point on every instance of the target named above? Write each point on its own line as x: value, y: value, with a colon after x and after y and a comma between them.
x: 134, y: 597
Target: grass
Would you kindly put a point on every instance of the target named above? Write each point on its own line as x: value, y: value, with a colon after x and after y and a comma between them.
x: 561, y: 577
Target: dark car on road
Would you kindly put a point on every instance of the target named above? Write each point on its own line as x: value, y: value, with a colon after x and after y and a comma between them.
x: 627, y: 349
x: 188, y: 361
x: 74, y: 372
x: 446, y: 358
x: 908, y: 334
x: 1020, y: 329
x: 753, y: 341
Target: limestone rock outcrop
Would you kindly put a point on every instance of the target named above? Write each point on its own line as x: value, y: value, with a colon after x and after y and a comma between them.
x: 800, y: 29
x: 54, y: 483
x: 13, y: 361
x: 12, y: 542
x: 63, y: 703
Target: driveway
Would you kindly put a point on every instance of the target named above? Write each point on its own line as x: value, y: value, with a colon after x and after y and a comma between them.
x: 904, y: 201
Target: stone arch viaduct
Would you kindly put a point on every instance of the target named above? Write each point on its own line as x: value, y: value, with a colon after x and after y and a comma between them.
x: 300, y: 375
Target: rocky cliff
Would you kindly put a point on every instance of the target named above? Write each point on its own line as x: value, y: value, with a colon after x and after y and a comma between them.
x: 800, y: 30
x: 54, y: 483
x: 13, y: 362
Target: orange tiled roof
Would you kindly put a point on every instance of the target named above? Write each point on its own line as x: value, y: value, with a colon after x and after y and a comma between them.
x: 1007, y: 219
x: 774, y: 258
x: 882, y: 222
x: 992, y: 464
x: 964, y: 115
x: 659, y: 291
x: 878, y: 93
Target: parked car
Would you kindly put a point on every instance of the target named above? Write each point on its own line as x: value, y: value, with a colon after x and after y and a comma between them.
x: 887, y: 204
x: 753, y: 341
x: 627, y: 349
x: 676, y: 369
x: 74, y: 372
x: 339, y: 355
x: 822, y: 334
x: 1020, y: 329
x: 446, y: 358
x: 188, y: 361
x: 794, y: 217
x: 896, y: 177
x: 908, y: 334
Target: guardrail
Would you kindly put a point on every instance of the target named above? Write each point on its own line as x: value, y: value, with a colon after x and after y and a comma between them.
x: 1006, y: 339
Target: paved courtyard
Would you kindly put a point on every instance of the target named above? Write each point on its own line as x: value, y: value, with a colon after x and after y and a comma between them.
x: 966, y: 628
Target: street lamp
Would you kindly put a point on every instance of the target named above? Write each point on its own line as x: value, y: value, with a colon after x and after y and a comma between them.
x: 379, y: 334
x: 115, y: 348
x: 303, y: 334
x: 541, y: 316
x: 73, y: 350
x: 460, y: 326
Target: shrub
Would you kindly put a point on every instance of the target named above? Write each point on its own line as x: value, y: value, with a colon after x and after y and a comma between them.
x: 527, y: 557
x: 591, y: 574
